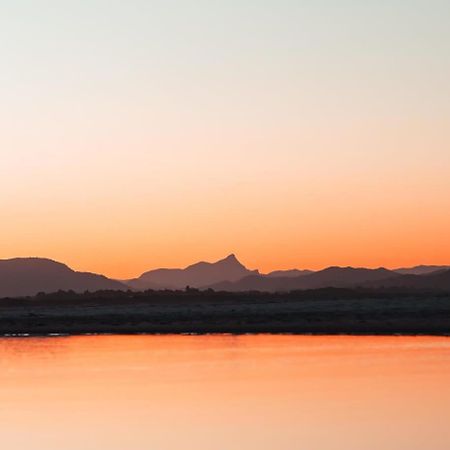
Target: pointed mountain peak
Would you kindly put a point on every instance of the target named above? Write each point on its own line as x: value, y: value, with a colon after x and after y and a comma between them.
x: 230, y: 260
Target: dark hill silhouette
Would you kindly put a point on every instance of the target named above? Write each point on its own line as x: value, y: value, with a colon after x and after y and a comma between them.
x: 436, y: 281
x: 29, y: 276
x: 197, y: 275
x: 331, y: 277
x: 258, y: 282
x: 288, y: 273
x: 421, y: 270
x: 345, y: 277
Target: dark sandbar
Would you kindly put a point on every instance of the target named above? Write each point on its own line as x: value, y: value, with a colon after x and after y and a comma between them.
x: 324, y: 311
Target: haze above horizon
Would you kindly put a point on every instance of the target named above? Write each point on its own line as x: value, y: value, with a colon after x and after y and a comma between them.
x: 299, y: 134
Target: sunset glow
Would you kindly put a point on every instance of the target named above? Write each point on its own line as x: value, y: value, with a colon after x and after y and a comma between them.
x: 295, y: 134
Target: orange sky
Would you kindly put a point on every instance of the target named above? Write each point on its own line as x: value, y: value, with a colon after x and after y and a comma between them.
x: 155, y: 137
x: 317, y: 201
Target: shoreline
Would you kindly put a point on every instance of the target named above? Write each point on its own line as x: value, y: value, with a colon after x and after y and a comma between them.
x: 330, y: 312
x: 266, y: 333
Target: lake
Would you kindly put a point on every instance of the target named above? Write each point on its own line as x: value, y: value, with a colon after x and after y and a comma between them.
x: 225, y: 392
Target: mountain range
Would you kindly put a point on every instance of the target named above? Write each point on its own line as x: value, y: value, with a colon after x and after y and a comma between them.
x: 421, y: 270
x: 330, y: 277
x: 197, y: 275
x: 29, y: 276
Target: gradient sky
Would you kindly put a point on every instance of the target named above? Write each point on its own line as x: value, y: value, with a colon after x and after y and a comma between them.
x: 156, y: 133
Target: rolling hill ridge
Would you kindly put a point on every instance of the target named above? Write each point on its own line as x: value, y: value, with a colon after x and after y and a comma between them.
x: 29, y: 276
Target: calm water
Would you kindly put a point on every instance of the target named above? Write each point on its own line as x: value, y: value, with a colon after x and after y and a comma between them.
x: 225, y: 392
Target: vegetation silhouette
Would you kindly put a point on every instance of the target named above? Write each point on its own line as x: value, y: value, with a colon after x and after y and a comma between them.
x: 322, y: 311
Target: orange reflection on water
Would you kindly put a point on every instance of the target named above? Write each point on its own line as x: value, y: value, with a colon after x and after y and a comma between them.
x: 224, y: 392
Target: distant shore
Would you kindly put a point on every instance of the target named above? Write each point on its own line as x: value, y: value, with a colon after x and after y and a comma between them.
x: 324, y: 311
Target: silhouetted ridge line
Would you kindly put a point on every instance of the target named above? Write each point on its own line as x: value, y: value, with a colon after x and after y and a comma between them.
x: 197, y: 275
x: 28, y: 276
x: 345, y: 277
x: 421, y: 270
x: 291, y: 273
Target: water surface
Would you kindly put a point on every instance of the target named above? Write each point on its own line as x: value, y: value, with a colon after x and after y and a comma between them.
x: 224, y: 392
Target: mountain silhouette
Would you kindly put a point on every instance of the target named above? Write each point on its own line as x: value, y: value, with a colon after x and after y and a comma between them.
x: 288, y: 273
x: 196, y: 275
x: 29, y: 276
x: 330, y: 277
x: 435, y: 281
x: 421, y: 270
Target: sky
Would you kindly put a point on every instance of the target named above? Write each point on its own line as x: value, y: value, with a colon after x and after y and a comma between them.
x: 155, y: 133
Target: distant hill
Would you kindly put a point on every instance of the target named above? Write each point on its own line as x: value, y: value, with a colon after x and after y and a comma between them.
x: 288, y: 273
x: 330, y: 277
x: 257, y: 282
x: 421, y: 270
x: 435, y: 281
x: 197, y: 275
x: 29, y: 276
x: 344, y: 277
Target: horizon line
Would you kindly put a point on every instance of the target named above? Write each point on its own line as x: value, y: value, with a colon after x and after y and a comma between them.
x: 299, y: 268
